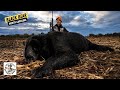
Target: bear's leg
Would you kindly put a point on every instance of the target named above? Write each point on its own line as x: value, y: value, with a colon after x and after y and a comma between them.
x: 65, y: 60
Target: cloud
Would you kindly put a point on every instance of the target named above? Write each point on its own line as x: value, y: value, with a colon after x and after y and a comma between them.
x: 2, y: 17
x: 42, y: 15
x: 83, y: 18
x: 97, y: 14
x: 75, y: 21
x: 104, y: 19
x: 79, y: 21
x: 15, y: 27
x: 97, y: 19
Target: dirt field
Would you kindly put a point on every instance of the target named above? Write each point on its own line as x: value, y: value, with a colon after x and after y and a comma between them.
x: 93, y: 64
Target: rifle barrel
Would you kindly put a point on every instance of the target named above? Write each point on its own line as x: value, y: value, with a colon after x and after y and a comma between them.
x: 51, y: 23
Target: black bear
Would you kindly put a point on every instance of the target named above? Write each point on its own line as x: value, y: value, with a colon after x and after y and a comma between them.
x: 59, y: 49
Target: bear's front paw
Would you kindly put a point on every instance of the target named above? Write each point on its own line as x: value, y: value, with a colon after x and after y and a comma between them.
x: 36, y: 73
x: 40, y: 72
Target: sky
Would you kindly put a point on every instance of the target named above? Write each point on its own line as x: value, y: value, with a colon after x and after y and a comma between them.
x: 83, y: 22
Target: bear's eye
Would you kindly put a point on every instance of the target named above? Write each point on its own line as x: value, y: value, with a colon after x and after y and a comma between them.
x: 34, y: 48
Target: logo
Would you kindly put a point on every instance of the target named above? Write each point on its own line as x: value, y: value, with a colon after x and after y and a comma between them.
x: 10, y: 68
x: 19, y: 18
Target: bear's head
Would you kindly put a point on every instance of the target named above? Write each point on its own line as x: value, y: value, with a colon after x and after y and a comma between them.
x: 33, y: 49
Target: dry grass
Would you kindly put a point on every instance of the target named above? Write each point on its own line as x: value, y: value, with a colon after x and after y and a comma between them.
x: 93, y: 64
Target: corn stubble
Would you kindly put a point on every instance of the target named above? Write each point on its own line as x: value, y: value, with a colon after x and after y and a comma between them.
x: 93, y: 64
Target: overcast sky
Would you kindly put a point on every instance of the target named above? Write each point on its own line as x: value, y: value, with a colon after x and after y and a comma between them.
x: 84, y: 22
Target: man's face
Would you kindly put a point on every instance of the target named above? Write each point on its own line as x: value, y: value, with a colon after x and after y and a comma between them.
x: 58, y: 22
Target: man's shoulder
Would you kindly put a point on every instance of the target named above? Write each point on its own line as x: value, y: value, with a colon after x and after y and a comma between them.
x: 61, y: 26
x: 55, y: 25
x: 65, y: 29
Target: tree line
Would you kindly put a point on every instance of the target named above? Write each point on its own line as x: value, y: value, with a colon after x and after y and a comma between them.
x: 108, y: 34
x: 28, y: 35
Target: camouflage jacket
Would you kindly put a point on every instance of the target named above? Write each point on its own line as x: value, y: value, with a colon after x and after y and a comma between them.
x: 59, y: 28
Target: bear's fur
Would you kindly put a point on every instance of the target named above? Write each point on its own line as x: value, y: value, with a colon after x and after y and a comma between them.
x: 60, y: 49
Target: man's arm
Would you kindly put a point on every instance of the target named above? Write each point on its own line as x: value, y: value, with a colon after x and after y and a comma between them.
x: 52, y: 28
x: 65, y: 30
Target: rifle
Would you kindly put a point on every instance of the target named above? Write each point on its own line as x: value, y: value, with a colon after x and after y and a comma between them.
x: 51, y: 23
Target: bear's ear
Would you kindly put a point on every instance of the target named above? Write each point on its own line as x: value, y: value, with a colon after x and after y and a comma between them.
x: 24, y: 43
x: 35, y: 42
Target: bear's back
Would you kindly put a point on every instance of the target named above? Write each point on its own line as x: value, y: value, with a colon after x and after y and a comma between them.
x: 75, y: 41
